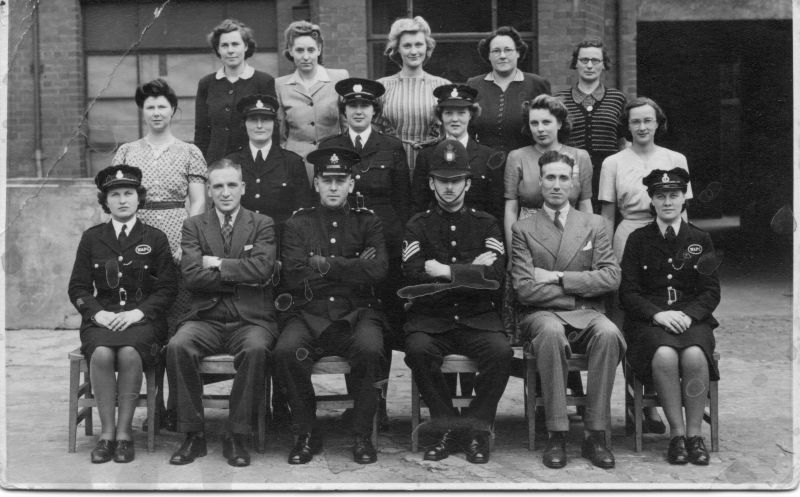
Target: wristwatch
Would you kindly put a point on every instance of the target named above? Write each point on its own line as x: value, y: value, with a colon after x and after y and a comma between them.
x: 560, y: 275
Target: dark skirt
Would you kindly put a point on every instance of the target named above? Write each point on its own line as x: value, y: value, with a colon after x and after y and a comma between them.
x: 141, y: 337
x: 644, y: 338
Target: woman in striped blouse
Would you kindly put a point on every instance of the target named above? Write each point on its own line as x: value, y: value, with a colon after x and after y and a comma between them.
x: 408, y: 103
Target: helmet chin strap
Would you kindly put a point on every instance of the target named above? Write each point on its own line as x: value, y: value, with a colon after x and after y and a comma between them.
x: 452, y: 202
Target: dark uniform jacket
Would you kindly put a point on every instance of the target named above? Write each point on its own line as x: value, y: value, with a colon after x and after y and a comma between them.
x: 486, y: 192
x: 277, y: 189
x: 139, y: 273
x: 320, y: 298
x: 381, y: 183
x: 650, y: 268
x: 454, y: 239
x: 244, y: 274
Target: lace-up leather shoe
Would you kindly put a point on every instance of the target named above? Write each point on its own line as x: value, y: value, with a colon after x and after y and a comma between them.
x: 477, y: 447
x: 304, y: 449
x: 103, y: 451
x: 193, y: 447
x: 555, y: 452
x: 697, y: 451
x: 363, y: 450
x: 233, y: 450
x: 594, y: 448
x: 448, y: 444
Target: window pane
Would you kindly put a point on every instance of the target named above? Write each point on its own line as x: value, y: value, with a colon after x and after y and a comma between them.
x: 99, y: 68
x: 451, y: 16
x: 179, y: 25
x: 109, y: 26
x: 381, y: 65
x: 457, y: 61
x: 261, y: 16
x: 516, y: 13
x: 183, y: 120
x: 384, y: 13
x: 111, y: 123
x: 265, y: 61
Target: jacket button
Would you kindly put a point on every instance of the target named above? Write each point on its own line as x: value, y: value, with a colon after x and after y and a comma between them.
x: 311, y: 123
x: 456, y: 317
x: 453, y: 260
x: 257, y: 195
x: 644, y: 267
x: 258, y: 211
x: 333, y: 240
x: 283, y: 185
x: 452, y: 227
x: 358, y: 176
x: 258, y: 180
x: 453, y: 243
x: 97, y: 265
x: 331, y: 299
x: 119, y: 258
x: 214, y: 299
x: 669, y: 276
x: 334, y: 224
x: 230, y: 92
x: 669, y: 260
x: 227, y: 109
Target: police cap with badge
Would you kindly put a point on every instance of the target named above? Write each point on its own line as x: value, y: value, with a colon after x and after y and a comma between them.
x: 450, y: 160
x: 359, y: 89
x: 333, y: 161
x: 117, y: 176
x: 659, y: 179
x: 258, y: 104
x: 455, y: 95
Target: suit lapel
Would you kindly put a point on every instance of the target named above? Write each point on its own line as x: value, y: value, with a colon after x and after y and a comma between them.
x: 575, y: 231
x: 546, y: 232
x: 109, y: 237
x: 241, y: 229
x: 213, y: 233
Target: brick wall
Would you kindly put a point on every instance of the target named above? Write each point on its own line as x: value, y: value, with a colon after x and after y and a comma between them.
x: 344, y: 26
x: 62, y: 89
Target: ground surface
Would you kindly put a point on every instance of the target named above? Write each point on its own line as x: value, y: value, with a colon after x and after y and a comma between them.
x: 756, y: 435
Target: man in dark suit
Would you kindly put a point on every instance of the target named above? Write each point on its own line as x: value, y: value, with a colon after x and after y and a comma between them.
x: 333, y: 258
x: 227, y: 263
x: 562, y: 267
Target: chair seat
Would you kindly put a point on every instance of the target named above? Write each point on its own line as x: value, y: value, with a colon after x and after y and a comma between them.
x: 82, y: 401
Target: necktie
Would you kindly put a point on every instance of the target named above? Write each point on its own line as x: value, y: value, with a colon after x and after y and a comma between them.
x: 259, y: 158
x: 669, y: 234
x: 123, y: 235
x: 227, y: 231
x: 359, y: 145
x: 557, y: 221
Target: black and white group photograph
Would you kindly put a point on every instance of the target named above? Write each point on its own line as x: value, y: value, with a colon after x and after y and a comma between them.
x: 398, y: 245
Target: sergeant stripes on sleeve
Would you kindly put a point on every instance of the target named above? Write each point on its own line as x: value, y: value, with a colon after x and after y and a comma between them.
x: 496, y: 245
x: 410, y: 249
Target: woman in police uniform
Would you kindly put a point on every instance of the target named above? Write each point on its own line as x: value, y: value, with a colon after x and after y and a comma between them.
x: 669, y: 289
x: 122, y: 283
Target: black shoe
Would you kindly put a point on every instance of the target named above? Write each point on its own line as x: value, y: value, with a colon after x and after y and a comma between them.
x: 555, y: 452
x: 697, y: 451
x: 124, y: 452
x: 233, y: 450
x: 304, y: 448
x: 363, y: 450
x: 193, y: 447
x: 677, y: 453
x: 103, y: 451
x: 477, y: 447
x: 448, y: 444
x: 594, y: 448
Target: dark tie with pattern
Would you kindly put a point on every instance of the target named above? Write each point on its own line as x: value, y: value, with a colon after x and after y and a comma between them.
x: 359, y: 145
x: 259, y: 158
x: 227, y: 231
x: 557, y: 221
x: 123, y: 235
x: 670, y: 236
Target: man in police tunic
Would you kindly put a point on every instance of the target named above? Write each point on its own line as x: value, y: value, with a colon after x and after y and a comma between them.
x: 454, y: 260
x: 333, y: 257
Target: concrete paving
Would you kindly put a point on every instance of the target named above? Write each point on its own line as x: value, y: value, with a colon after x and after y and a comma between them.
x: 757, y: 438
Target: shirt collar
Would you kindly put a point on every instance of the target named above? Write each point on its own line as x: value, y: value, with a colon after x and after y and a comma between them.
x: 221, y: 216
x: 322, y: 76
x: 551, y: 213
x: 518, y: 76
x: 264, y: 151
x: 247, y: 73
x: 364, y: 135
x: 662, y: 226
x: 597, y: 94
x: 118, y: 226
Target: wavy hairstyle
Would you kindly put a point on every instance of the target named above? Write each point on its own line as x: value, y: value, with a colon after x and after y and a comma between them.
x: 661, y: 118
x: 102, y: 197
x: 156, y: 88
x: 592, y: 43
x: 484, y: 44
x: 229, y: 26
x: 408, y: 25
x: 552, y: 105
x: 298, y: 29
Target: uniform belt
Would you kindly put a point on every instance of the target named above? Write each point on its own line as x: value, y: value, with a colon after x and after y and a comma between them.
x: 160, y: 206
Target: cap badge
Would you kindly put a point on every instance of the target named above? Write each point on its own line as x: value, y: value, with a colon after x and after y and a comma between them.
x: 665, y: 178
x: 357, y: 88
x: 119, y: 174
x: 454, y: 93
x: 259, y: 104
x: 449, y: 153
x: 334, y: 159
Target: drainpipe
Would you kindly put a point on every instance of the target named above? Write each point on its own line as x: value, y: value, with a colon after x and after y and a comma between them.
x: 37, y: 96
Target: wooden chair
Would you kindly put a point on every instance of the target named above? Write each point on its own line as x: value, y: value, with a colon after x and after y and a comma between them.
x: 636, y: 399
x: 533, y: 398
x: 82, y: 400
x: 340, y: 365
x: 219, y: 367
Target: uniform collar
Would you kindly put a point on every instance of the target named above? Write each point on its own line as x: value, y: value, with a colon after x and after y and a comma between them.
x: 247, y: 73
x: 264, y: 151
x: 118, y: 226
x: 364, y: 135
x: 448, y: 214
x: 322, y: 76
x: 662, y: 226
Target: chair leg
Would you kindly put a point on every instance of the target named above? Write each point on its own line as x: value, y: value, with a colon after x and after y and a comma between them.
x: 152, y: 421
x: 74, y: 382
x: 87, y: 423
x: 261, y: 443
x: 638, y: 390
x: 415, y: 414
x: 714, y: 407
x: 376, y: 423
x: 530, y: 400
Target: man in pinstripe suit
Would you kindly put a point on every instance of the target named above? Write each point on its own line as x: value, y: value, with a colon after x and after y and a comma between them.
x: 562, y: 267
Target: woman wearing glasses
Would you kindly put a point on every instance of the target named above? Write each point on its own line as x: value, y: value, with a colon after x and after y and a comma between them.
x: 502, y: 91
x: 122, y: 283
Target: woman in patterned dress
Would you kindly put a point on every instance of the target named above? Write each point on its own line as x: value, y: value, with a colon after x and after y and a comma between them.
x: 173, y: 172
x: 408, y: 103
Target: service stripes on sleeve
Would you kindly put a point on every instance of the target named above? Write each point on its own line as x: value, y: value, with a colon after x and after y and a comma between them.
x: 410, y: 249
x: 496, y: 245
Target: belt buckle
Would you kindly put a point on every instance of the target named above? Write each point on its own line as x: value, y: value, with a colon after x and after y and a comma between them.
x: 360, y: 201
x: 672, y: 295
